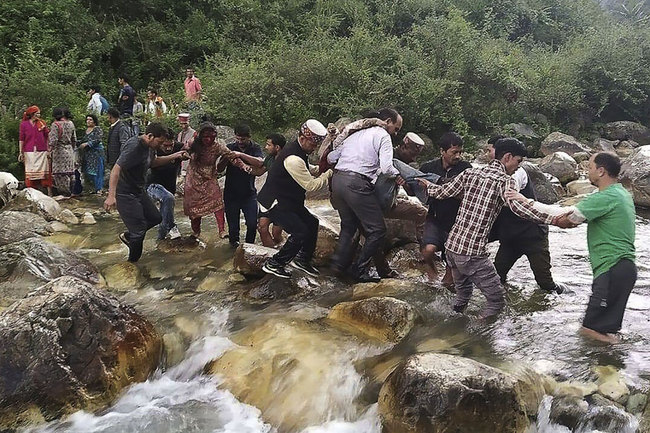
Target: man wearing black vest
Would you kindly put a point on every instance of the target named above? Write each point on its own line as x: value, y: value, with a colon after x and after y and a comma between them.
x: 283, y: 196
x: 518, y: 237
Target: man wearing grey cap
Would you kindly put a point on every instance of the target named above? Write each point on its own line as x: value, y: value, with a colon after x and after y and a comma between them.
x: 283, y: 197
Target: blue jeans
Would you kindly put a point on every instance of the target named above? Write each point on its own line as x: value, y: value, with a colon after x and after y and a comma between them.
x: 158, y: 193
x: 246, y: 205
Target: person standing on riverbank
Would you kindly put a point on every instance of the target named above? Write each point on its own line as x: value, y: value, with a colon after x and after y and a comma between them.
x: 62, y: 141
x: 483, y: 196
x: 33, y: 150
x: 283, y: 196
x: 610, y: 217
x: 126, y: 187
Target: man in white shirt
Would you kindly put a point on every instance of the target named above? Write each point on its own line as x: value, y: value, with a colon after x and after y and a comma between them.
x: 359, y: 160
x: 95, y: 103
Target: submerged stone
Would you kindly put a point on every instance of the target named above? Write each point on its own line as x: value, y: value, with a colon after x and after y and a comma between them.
x: 568, y: 411
x: 123, y: 276
x: 68, y: 346
x: 249, y: 259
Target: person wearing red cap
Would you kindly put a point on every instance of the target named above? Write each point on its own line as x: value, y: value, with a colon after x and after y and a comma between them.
x: 283, y: 197
x: 33, y: 150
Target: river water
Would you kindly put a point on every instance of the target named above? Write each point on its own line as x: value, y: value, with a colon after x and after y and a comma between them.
x: 302, y: 374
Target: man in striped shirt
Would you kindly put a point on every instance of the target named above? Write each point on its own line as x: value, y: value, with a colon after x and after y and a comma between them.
x: 483, y: 195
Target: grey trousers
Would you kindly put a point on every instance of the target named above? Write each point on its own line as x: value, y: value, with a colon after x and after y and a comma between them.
x: 480, y: 271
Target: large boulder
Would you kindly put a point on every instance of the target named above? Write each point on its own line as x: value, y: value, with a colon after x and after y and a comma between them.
x: 8, y: 187
x: 328, y: 237
x: 436, y: 393
x: 31, y: 262
x: 625, y: 148
x: 293, y: 371
x: 384, y: 318
x: 68, y: 346
x: 626, y: 130
x: 603, y: 145
x: 635, y: 175
x: 568, y: 411
x: 16, y: 226
x: 559, y: 142
x: 545, y: 191
x: 271, y: 288
x: 32, y: 200
x: 560, y: 165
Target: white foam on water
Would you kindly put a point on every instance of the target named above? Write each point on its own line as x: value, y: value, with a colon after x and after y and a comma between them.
x: 178, y: 400
x: 369, y: 422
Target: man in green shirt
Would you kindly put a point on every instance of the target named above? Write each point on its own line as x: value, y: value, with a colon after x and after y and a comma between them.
x: 610, y: 216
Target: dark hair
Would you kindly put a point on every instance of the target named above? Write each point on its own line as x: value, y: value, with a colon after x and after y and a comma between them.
x: 114, y: 113
x: 124, y: 77
x: 156, y: 129
x: 609, y: 161
x: 450, y: 139
x: 509, y: 145
x: 66, y: 113
x: 154, y: 91
x: 495, y: 138
x: 243, y: 130
x: 95, y: 88
x: 93, y: 117
x: 383, y: 114
x: 171, y: 134
x: 197, y: 144
x: 58, y: 113
x: 277, y: 139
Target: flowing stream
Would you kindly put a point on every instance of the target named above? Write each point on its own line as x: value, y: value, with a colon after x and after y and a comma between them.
x: 305, y: 375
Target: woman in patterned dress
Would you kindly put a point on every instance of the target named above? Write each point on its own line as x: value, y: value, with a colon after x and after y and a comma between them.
x: 202, y: 192
x: 62, y: 140
x: 92, y: 150
x: 33, y: 150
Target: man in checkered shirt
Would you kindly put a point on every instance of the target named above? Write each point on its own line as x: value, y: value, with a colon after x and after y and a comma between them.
x: 483, y: 195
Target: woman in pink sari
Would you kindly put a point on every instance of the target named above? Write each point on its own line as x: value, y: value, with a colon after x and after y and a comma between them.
x: 202, y: 192
x: 33, y: 150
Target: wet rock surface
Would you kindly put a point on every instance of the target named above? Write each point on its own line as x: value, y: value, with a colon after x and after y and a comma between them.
x: 249, y: 259
x: 568, y: 411
x: 69, y: 346
x: 271, y: 288
x: 16, y: 226
x: 437, y: 393
x: 31, y: 262
x: 384, y: 318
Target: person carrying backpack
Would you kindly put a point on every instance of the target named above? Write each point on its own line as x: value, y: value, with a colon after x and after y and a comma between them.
x: 97, y: 104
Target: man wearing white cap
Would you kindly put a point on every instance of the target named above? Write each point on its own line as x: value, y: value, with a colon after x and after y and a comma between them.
x: 185, y: 136
x: 283, y: 196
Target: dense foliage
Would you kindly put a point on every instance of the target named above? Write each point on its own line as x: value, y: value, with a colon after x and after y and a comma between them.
x: 470, y: 65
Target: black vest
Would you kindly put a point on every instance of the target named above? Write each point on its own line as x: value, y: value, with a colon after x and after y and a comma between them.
x: 508, y: 227
x: 280, y: 185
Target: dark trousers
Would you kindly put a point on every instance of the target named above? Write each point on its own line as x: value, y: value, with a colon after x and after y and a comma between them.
x: 353, y: 195
x: 247, y: 205
x: 302, y: 227
x: 536, y: 250
x: 139, y: 214
x: 609, y: 294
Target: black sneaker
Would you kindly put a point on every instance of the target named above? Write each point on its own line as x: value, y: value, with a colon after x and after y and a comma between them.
x: 459, y: 308
x: 367, y: 278
x: 306, y: 267
x: 276, y: 270
x: 234, y: 245
x: 559, y: 289
x: 124, y: 238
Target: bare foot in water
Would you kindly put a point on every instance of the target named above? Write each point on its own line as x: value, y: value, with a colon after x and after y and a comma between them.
x: 605, y: 338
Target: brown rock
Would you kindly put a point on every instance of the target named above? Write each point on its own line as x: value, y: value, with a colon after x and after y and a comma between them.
x: 626, y: 130
x: 635, y: 175
x: 68, y: 346
x: 383, y: 318
x: 249, y: 258
x: 560, y: 165
x: 558, y: 142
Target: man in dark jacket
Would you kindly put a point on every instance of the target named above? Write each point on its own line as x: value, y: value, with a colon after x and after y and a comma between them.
x: 118, y: 133
x: 442, y: 213
x: 283, y: 196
